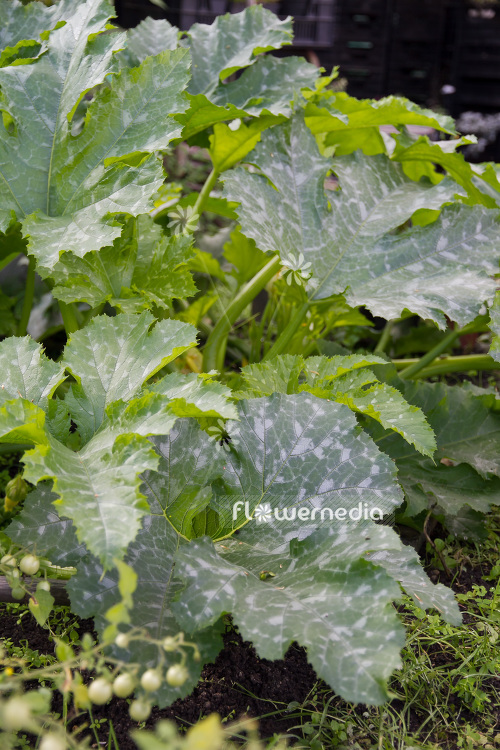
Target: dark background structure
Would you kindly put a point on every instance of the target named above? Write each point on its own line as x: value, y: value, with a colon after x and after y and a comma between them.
x: 436, y: 52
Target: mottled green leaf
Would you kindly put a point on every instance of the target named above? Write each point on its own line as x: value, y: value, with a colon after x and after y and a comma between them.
x: 341, y: 611
x: 65, y: 182
x: 428, y: 270
x: 196, y: 396
x: 495, y: 328
x: 347, y: 381
x: 111, y: 358
x: 26, y: 372
x: 148, y: 38
x: 404, y: 566
x: 142, y: 269
x: 233, y: 42
x: 39, y: 528
x: 300, y: 453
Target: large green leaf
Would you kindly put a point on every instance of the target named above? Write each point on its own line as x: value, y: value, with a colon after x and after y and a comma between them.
x: 303, y: 454
x: 111, y: 358
x: 429, y: 270
x: 27, y: 373
x: 364, y: 119
x: 233, y: 42
x: 340, y: 610
x: 67, y: 191
x: 142, y: 269
x: 22, y: 422
x: 180, y: 487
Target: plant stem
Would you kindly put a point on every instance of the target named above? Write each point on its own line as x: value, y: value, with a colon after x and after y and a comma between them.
x: 29, y: 292
x: 69, y: 317
x: 215, y: 348
x: 385, y: 337
x: 207, y: 188
x: 462, y: 363
x: 413, y: 369
x: 288, y: 333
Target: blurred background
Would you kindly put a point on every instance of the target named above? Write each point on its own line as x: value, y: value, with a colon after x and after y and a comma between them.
x: 443, y: 54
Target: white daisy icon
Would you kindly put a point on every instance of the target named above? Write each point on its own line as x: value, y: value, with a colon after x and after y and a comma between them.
x: 296, y: 269
x: 263, y: 512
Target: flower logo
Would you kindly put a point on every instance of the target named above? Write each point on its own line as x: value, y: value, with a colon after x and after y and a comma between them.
x: 183, y: 220
x: 263, y: 512
x: 297, y: 269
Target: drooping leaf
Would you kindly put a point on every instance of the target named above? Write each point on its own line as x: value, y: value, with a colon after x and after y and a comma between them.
x: 233, y: 42
x: 340, y: 610
x: 67, y: 193
x: 428, y: 270
x: 148, y: 38
x: 111, y: 358
x: 27, y: 373
x: 364, y: 119
x: 142, y: 269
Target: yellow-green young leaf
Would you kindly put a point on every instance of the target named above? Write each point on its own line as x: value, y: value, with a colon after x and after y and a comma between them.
x: 443, y: 154
x: 119, y: 613
x: 111, y: 358
x: 81, y: 172
x: 244, y: 255
x: 22, y: 422
x: 348, y: 123
x: 348, y: 237
x: 229, y: 144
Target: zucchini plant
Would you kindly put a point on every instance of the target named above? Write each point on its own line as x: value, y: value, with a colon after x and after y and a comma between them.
x: 240, y: 462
